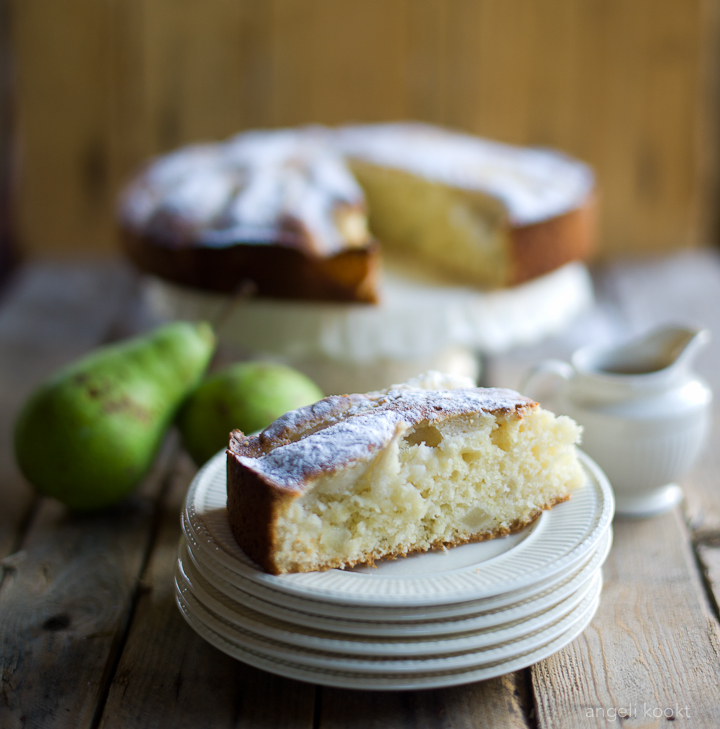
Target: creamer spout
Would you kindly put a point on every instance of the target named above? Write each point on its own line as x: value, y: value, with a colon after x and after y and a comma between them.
x: 663, y: 348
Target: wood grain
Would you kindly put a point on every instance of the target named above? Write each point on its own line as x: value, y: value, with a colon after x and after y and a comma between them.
x: 7, y: 142
x: 169, y: 676
x: 630, y: 87
x: 129, y: 121
x: 496, y: 704
x: 50, y: 315
x: 359, y: 49
x: 653, y: 643
x: 64, y: 607
x: 708, y: 552
x: 684, y: 288
x: 65, y: 199
x: 294, y: 61
x: 426, y: 61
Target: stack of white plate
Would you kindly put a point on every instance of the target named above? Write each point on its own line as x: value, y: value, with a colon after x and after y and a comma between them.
x: 437, y: 619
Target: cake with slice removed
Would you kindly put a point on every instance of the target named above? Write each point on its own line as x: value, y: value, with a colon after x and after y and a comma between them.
x: 286, y: 210
x: 356, y: 478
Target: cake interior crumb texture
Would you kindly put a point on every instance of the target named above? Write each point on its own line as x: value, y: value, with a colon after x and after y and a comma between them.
x: 461, y: 233
x: 411, y: 484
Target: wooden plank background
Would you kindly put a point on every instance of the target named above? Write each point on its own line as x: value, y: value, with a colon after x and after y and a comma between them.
x: 7, y: 68
x: 628, y: 86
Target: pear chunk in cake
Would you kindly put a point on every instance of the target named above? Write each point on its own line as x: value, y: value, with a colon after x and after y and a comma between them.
x: 356, y: 478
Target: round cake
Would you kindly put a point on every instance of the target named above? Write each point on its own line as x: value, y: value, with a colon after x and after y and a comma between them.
x: 295, y: 213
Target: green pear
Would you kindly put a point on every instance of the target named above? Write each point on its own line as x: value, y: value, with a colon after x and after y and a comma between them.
x: 247, y: 396
x: 90, y: 433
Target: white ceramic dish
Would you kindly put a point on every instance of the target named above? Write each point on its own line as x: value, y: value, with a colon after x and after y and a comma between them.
x: 555, y: 544
x: 345, y: 674
x: 304, y: 637
x: 533, y: 638
x: 415, y: 318
x: 645, y: 413
x: 418, y: 625
x: 396, y: 618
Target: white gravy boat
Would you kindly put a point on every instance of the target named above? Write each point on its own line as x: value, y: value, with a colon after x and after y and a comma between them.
x: 645, y: 413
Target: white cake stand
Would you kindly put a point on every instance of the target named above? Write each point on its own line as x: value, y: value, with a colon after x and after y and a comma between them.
x: 420, y: 324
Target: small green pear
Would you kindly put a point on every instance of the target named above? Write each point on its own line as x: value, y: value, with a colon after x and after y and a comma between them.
x: 247, y: 396
x: 90, y: 433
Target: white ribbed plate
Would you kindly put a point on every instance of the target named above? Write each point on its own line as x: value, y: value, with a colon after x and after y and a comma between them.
x: 208, y: 564
x: 378, y: 622
x: 391, y: 674
x: 560, y: 539
x: 303, y: 637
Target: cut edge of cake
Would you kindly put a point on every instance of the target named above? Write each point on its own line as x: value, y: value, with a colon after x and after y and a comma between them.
x: 480, y: 211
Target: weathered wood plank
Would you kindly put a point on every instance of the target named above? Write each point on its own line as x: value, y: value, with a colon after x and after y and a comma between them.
x: 426, y: 61
x: 65, y: 199
x: 653, y: 644
x: 64, y: 607
x: 495, y: 704
x: 708, y: 552
x: 480, y: 37
x: 358, y: 61
x: 50, y: 315
x: 129, y: 121
x: 169, y: 676
x: 7, y: 142
x: 68, y: 590
x: 685, y: 288
x: 294, y: 62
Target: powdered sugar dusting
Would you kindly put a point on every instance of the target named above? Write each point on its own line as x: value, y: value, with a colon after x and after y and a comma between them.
x: 340, y: 430
x: 258, y: 187
x: 248, y: 188
x: 296, y: 423
x: 534, y: 184
x: 289, y: 466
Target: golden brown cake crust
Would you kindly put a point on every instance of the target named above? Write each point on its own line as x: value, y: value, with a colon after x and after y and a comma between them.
x: 543, y: 247
x: 275, y: 271
x: 253, y: 506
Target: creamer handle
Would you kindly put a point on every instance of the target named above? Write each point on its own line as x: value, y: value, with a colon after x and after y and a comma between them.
x: 550, y: 368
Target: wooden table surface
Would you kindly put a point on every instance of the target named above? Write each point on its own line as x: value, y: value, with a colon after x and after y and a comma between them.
x: 90, y: 635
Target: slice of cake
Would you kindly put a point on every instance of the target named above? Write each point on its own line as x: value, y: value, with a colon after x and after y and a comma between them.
x: 481, y: 212
x: 277, y: 208
x: 357, y: 478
